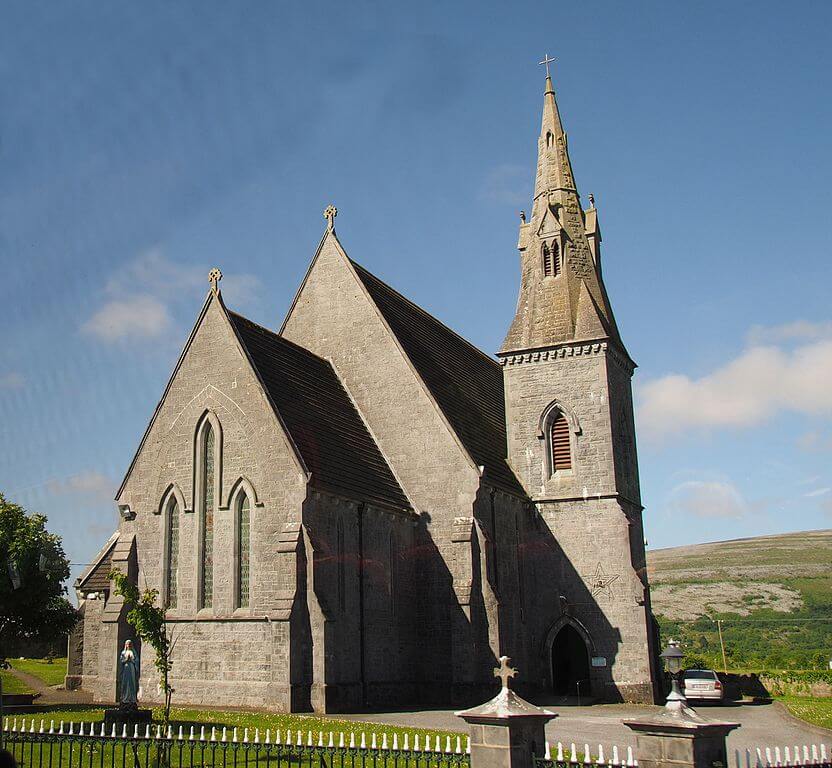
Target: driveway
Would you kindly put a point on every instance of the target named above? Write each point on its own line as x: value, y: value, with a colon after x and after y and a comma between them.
x: 763, y: 725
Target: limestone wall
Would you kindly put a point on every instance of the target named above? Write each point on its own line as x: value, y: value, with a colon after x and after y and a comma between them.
x: 222, y: 648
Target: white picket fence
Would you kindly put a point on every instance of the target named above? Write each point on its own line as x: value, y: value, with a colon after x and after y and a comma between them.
x: 223, y: 735
x: 560, y: 754
x: 808, y: 755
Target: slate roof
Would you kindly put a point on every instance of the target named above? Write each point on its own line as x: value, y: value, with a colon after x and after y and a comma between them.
x: 321, y: 419
x: 96, y: 578
x: 465, y: 382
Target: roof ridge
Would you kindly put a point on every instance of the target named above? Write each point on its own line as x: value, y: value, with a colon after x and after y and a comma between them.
x: 435, y: 319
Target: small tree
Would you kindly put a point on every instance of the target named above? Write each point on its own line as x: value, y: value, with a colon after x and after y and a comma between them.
x: 148, y: 619
x: 33, y: 567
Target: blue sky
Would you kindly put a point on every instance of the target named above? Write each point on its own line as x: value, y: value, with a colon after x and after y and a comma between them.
x: 141, y: 144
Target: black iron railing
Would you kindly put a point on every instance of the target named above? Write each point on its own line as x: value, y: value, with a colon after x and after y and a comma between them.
x: 91, y: 745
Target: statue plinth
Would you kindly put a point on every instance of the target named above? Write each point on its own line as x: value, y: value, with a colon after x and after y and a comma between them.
x: 129, y: 715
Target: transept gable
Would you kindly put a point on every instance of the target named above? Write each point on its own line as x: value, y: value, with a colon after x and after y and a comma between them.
x: 462, y: 383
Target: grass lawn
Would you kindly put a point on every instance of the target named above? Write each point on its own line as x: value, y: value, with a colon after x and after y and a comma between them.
x: 51, y: 674
x: 813, y: 710
x: 250, y: 720
x: 11, y: 684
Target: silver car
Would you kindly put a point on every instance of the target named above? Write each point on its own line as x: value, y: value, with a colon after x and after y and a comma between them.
x: 702, y: 684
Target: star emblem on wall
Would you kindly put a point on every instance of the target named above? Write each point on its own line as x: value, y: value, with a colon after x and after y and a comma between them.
x: 600, y: 581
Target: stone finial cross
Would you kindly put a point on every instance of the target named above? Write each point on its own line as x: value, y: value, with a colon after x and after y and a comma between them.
x: 214, y: 277
x: 547, y: 61
x: 504, y: 671
x: 330, y: 212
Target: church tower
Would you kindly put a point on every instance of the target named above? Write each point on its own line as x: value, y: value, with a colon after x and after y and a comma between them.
x: 571, y: 438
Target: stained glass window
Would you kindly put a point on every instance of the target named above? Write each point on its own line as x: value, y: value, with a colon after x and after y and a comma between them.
x: 173, y: 551
x: 243, y: 551
x: 207, y: 575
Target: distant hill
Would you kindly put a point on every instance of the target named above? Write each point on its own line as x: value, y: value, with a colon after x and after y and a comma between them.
x: 773, y: 594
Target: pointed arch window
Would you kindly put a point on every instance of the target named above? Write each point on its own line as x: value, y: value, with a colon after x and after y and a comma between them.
x: 243, y: 559
x: 560, y: 442
x: 551, y: 259
x: 207, y: 508
x: 172, y: 551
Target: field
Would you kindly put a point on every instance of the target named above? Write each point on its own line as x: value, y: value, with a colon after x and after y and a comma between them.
x: 772, y: 594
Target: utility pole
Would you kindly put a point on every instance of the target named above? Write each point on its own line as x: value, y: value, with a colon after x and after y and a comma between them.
x: 722, y: 646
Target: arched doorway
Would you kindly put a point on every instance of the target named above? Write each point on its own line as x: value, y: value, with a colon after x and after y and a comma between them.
x: 570, y: 663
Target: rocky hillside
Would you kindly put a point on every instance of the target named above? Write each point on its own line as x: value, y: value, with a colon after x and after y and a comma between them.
x: 773, y: 594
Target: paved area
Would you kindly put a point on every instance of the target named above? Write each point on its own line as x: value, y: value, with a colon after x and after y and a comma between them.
x: 762, y: 724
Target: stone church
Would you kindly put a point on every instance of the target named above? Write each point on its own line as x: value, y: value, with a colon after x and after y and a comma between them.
x: 362, y: 510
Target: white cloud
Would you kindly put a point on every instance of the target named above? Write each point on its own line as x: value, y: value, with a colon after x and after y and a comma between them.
x: 777, y: 334
x: 139, y: 293
x: 507, y: 184
x: 742, y: 393
x: 90, y: 484
x: 707, y: 499
x: 817, y: 492
x: 137, y: 317
x: 12, y: 380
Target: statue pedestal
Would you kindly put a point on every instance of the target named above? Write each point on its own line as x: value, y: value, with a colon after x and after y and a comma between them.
x: 129, y: 716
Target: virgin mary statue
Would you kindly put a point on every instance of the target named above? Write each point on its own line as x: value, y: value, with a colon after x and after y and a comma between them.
x: 128, y: 691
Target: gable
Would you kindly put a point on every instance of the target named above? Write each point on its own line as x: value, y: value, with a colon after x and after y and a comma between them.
x: 212, y: 372
x: 346, y: 314
x: 334, y: 316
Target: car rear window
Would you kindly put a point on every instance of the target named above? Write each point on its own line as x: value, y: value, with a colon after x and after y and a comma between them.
x: 700, y: 674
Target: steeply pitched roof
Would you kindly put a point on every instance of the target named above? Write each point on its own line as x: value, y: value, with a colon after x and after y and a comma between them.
x: 321, y: 419
x: 465, y: 382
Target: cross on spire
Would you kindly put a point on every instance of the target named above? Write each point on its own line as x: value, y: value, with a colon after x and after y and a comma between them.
x: 504, y: 671
x: 330, y: 212
x: 214, y: 277
x: 547, y: 61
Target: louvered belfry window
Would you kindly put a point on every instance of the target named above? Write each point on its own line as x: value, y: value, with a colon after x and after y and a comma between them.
x: 551, y: 259
x: 561, y: 449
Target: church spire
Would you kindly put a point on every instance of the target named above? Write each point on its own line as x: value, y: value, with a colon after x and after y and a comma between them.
x: 562, y: 297
x: 554, y: 171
